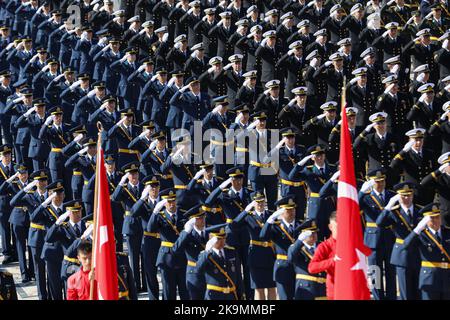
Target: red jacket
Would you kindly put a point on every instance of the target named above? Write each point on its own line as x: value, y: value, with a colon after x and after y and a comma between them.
x: 78, y: 285
x: 323, y: 260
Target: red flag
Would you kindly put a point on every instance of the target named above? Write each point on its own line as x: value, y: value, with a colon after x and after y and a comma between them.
x: 104, y: 260
x: 351, y: 253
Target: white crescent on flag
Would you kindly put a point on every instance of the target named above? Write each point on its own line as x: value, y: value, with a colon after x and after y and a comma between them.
x: 103, y: 236
x: 346, y: 190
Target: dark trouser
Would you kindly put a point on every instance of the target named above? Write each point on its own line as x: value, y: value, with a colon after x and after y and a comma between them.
x: 21, y: 234
x: 134, y: 253
x: 171, y: 279
x: 6, y: 236
x: 150, y: 250
x: 268, y: 183
x: 54, y: 279
x: 243, y: 258
x: 196, y: 291
x: 380, y: 258
x: 303, y: 293
x: 286, y: 290
x: 39, y: 269
x: 408, y: 281
x: 216, y: 295
x: 435, y: 295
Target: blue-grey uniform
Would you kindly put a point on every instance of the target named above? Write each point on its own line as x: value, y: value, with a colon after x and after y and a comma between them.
x: 68, y: 56
x: 141, y: 78
x: 434, y: 248
x: 87, y: 105
x: 406, y: 261
x: 220, y: 268
x: 201, y: 188
x: 96, y: 52
x: 261, y: 254
x: 142, y: 143
x: 160, y: 102
x: 307, y: 286
x: 41, y: 79
x: 172, y: 266
x: 282, y: 235
x: 70, y: 97
x: 379, y: 240
x: 127, y: 90
x: 18, y: 59
x: 132, y: 226
x: 6, y: 171
x: 86, y: 62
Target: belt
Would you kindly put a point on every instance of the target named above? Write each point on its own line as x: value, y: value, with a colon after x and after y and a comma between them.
x: 264, y: 244
x: 442, y: 265
x: 151, y: 234
x: 21, y: 208
x: 229, y: 220
x: 192, y: 263
x: 371, y: 224
x: 240, y: 149
x: 123, y: 294
x: 37, y: 226
x: 56, y: 150
x: 261, y: 165
x: 166, y: 176
x: 220, y: 289
x: 292, y: 183
x: 73, y: 260
x: 180, y: 186
x: 127, y: 213
x: 167, y: 244
x: 400, y: 241
x: 314, y: 195
x: 310, y: 278
x: 77, y: 173
x: 130, y: 151
x: 213, y: 210
x: 281, y: 257
x: 220, y: 143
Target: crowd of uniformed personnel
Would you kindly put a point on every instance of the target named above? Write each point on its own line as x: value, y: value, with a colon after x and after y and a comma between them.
x: 215, y: 229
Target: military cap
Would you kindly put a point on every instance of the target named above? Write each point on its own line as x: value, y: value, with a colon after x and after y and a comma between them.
x: 3, y: 27
x: 415, y: 13
x: 102, y: 32
x: 309, y: 225
x: 242, y: 22
x: 162, y: 29
x: 336, y: 7
x: 108, y: 98
x: 270, y: 34
x: 27, y: 92
x: 236, y: 58
x: 83, y: 76
x: 272, y: 84
x: 56, y: 12
x: 192, y: 80
x: 99, y: 85
x: 378, y: 117
x: 210, y: 11
x: 360, y: 71
x: 446, y: 106
x: 146, y: 61
x: 73, y: 205
x: 258, y: 196
x: 256, y: 28
x: 148, y: 24
x: 368, y: 52
x: 251, y: 9
x: 5, y: 73
x: 427, y: 87
x: 39, y: 102
x: 151, y: 180
x: 131, y: 167
x: 217, y: 230
x: 198, y: 46
x: 373, y: 16
x: 26, y: 39
x: 287, y: 202
x: 160, y: 135
x: 422, y: 68
x: 287, y: 15
x: 336, y: 56
x: 405, y: 188
x: 303, y: 24
x: 273, y: 12
x: 17, y: 40
x: 312, y: 55
x: 68, y: 70
x: 41, y: 174
x: 351, y: 111
x: 168, y: 194
x: 423, y: 33
x: 391, y: 25
x: 390, y: 79
x: 296, y: 44
x: 242, y: 108
x: 182, y: 139
x: 329, y: 105
x: 180, y: 38
x: 436, y: 6
x: 445, y: 158
x: 148, y: 124
x: 225, y: 14
x: 300, y: 91
x: 127, y: 112
x: 56, y: 186
x: 5, y: 148
x: 109, y: 158
x: 356, y: 7
x: 235, y: 172
x: 377, y: 174
x: 221, y: 100
x: 21, y: 168
x: 431, y: 210
x: 445, y: 36
x: 41, y: 50
x: 345, y: 42
x: 416, y: 133
x: 134, y: 19
x: 119, y: 13
x: 288, y: 132
x: 89, y: 141
x: 446, y: 79
x: 321, y: 32
x: 250, y: 74
x: 317, y: 149
x: 215, y: 60
x: 196, y: 211
x: 55, y: 110
x: 209, y: 164
x: 161, y: 70
x: 131, y: 50
x: 79, y: 129
x: 86, y: 28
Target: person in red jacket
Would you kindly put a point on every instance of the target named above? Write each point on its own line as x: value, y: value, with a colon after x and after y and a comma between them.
x: 324, y: 257
x: 78, y: 284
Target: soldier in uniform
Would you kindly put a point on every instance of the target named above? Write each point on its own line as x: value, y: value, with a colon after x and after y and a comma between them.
x: 333, y: 76
x: 441, y: 128
x: 223, y: 31
x: 293, y: 62
x: 361, y: 95
x: 269, y: 53
x: 390, y: 41
x: 214, y: 79
x: 271, y: 102
x: 248, y: 92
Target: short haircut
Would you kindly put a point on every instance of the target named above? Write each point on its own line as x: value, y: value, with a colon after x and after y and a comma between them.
x: 84, y: 247
x: 333, y: 216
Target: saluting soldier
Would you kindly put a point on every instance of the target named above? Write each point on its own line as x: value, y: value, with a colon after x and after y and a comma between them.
x: 333, y: 76
x: 271, y: 102
x: 269, y: 52
x: 223, y: 31
x: 203, y: 27
x: 441, y: 128
x: 197, y: 63
x: 361, y: 95
x: 390, y: 41
x: 293, y: 63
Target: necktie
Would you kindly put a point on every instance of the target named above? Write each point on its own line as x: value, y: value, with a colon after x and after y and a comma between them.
x: 42, y: 198
x: 7, y: 171
x: 197, y: 99
x: 202, y: 235
x: 321, y: 171
x: 58, y: 211
x: 221, y: 255
x: 291, y: 229
x: 129, y: 130
x: 438, y: 238
x: 382, y: 198
x: 77, y: 230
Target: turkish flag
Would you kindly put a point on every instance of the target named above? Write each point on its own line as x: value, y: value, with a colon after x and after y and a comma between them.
x: 104, y: 260
x: 351, y: 253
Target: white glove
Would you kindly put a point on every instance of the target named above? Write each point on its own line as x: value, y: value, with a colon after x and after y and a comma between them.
x: 190, y: 10
x: 145, y: 193
x: 29, y: 111
x: 87, y: 232
x: 177, y: 45
x: 420, y: 77
x: 263, y: 43
x: 91, y: 93
x: 182, y: 90
x: 395, y: 68
x: 49, y: 120
x: 19, y: 99
x: 106, y: 48
x: 96, y: 6
x: 392, y: 202
x: 310, y: 4
x: 83, y: 151
x: 34, y: 57
x: 217, y: 109
x: 335, y: 176
x: 321, y: 116
x: 408, y: 146
x: 354, y: 80
x: 171, y: 82
x: 228, y: 66
x: 104, y: 105
x: 48, y: 200
x: 250, y: 206
x: 45, y: 68
x: 153, y: 144
x: 384, y: 35
x: 165, y: 37
x: 275, y: 215
x: 153, y: 78
x: 142, y: 31
x: 367, y: 185
x: 20, y: 46
x: 443, y: 167
x: 124, y: 57
x: 280, y: 144
x: 160, y: 205
x: 445, y: 44
x: 75, y: 84
x: 328, y: 63
x: 58, y: 77
x: 253, y: 124
x: 199, y: 174
x: 225, y: 184
x: 31, y: 185
x: 444, y: 115
x: 390, y: 2
x: 26, y: 3
x: 141, y: 68
x: 305, y: 160
x: 422, y: 225
x: 304, y: 235
x: 61, y: 27
x: 291, y: 52
x: 83, y: 36
x: 62, y: 218
x: 13, y: 177
x: 238, y: 118
x: 369, y: 127
x: 189, y: 225
x: 144, y: 133
x: 78, y: 137
x: 422, y: 97
x: 123, y: 180
x: 210, y: 244
x: 220, y: 23
x: 9, y: 46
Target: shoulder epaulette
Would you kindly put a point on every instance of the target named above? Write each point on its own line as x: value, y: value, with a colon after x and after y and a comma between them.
x: 121, y: 254
x: 229, y: 247
x: 309, y: 167
x: 219, y: 178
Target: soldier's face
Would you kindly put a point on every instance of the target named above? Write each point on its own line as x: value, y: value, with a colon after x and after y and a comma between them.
x: 92, y: 150
x: 209, y: 174
x: 23, y: 176
x: 200, y: 222
x: 271, y: 41
x: 154, y: 190
x: 132, y: 58
x: 59, y: 199
x: 351, y: 121
x: 260, y: 206
x: 54, y: 67
x: 40, y: 111
x: 380, y: 185
x: 407, y: 199
x: 42, y: 56
x: 75, y: 216
x: 290, y: 141
x: 333, y: 228
x: 237, y: 66
x: 338, y: 64
x: 381, y: 126
x: 319, y: 158
x: 28, y: 45
x: 262, y: 124
x: 426, y: 40
x: 220, y: 244
x: 418, y: 143
x: 429, y: 97
x: 100, y: 92
x: 237, y: 182
x: 58, y: 118
x: 435, y: 222
x: 6, y: 81
x: 110, y: 167
x: 359, y: 14
x: 115, y: 46
x: 195, y: 88
x: 227, y: 22
x: 171, y: 205
x: 275, y: 92
x: 301, y: 99
x: 330, y: 114
x: 298, y: 51
x: 347, y: 49
x: 362, y: 81
x: 437, y: 14
x: 85, y: 259
x: 42, y: 184
x: 312, y: 239
x: 393, y: 32
x: 161, y: 143
x: 6, y: 157
x: 201, y: 53
x: 5, y: 33
x: 134, y: 177
x: 111, y: 106
x: 289, y: 214
x: 28, y: 100
x: 84, y: 84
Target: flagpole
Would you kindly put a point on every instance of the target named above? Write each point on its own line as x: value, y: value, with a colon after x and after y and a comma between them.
x: 94, y: 233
